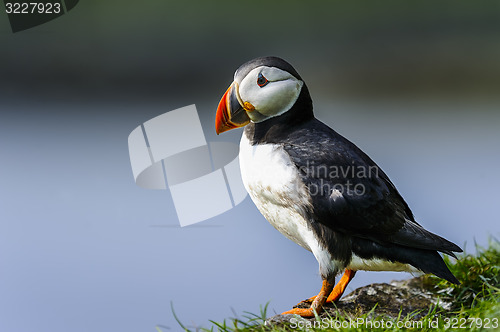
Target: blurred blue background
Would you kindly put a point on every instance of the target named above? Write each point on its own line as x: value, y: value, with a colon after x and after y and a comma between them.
x: 82, y: 248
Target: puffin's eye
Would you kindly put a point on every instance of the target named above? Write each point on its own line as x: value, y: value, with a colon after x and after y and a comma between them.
x: 261, y: 80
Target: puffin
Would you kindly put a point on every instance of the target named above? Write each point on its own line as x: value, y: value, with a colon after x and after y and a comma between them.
x: 319, y: 189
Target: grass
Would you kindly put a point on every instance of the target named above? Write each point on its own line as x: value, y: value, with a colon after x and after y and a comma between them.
x: 475, y: 304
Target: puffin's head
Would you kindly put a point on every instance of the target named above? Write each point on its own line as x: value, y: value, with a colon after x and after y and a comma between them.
x: 263, y: 88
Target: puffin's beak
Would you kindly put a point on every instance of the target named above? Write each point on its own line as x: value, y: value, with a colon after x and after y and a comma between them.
x: 230, y: 113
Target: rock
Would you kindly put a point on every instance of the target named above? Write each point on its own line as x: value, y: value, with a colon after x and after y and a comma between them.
x: 284, y: 320
x: 408, y: 297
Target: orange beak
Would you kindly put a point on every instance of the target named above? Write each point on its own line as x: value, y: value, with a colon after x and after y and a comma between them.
x: 230, y: 113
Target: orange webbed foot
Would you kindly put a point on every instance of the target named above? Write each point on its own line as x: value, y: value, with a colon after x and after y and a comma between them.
x: 317, y: 302
x: 306, y: 313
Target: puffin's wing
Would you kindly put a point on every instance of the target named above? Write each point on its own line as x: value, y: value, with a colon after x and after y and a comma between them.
x: 351, y: 194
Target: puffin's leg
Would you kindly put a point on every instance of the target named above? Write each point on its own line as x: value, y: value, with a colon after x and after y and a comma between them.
x: 339, y: 288
x: 317, y: 304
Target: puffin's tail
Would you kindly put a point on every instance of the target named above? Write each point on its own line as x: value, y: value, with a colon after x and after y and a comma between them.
x: 414, y: 235
x: 425, y: 260
x: 430, y: 261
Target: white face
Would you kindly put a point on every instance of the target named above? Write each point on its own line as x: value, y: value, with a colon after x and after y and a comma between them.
x: 271, y: 91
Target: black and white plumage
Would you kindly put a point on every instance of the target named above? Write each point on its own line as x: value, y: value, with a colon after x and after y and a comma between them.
x: 316, y: 187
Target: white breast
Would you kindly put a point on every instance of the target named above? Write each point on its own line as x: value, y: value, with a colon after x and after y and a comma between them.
x: 274, y: 185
